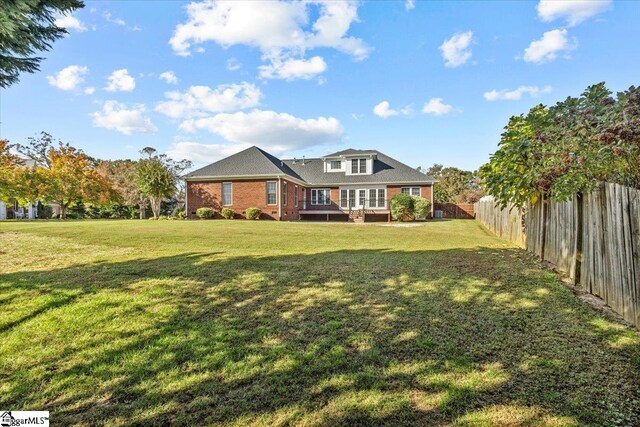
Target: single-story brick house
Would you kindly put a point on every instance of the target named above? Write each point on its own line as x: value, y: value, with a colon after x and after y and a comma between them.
x: 348, y: 185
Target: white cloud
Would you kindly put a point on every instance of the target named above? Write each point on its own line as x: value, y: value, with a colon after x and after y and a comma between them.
x: 203, y: 153
x: 89, y: 90
x: 70, y: 23
x: 169, y: 77
x: 233, y: 64
x: 546, y: 49
x: 121, y: 81
x: 409, y: 4
x: 69, y: 78
x: 384, y: 110
x: 293, y: 68
x: 288, y: 33
x: 515, y: 95
x: 277, y: 132
x: 200, y: 100
x: 107, y: 15
x: 573, y: 11
x: 455, y: 50
x: 120, y: 22
x: 117, y: 116
x: 436, y: 107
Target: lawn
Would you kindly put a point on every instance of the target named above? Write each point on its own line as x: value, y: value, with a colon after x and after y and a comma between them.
x: 263, y: 323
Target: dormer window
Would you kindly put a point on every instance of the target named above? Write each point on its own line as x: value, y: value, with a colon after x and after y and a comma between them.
x: 336, y: 164
x: 358, y: 166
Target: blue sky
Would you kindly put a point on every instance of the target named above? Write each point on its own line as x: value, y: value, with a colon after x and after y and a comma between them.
x: 424, y: 82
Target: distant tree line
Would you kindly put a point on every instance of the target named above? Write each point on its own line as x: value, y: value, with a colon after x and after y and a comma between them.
x: 454, y: 185
x: 52, y: 172
x: 568, y: 148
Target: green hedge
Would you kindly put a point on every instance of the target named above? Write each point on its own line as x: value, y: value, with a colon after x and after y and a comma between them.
x: 402, y: 206
x: 407, y: 208
x: 204, y: 213
x: 253, y: 213
x: 227, y: 213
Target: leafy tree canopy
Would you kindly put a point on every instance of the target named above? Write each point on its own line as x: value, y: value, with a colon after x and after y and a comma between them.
x: 568, y: 148
x: 26, y: 28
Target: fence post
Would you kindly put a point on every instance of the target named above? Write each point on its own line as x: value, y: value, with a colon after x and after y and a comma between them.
x: 579, y: 235
x: 543, y: 225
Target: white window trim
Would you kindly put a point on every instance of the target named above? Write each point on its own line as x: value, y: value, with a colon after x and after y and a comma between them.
x: 327, y: 199
x: 285, y: 193
x: 410, y: 188
x: 231, y: 196
x: 267, y: 193
x: 367, y: 190
x: 366, y: 166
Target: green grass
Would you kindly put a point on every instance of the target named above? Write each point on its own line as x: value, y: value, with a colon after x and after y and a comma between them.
x: 263, y: 323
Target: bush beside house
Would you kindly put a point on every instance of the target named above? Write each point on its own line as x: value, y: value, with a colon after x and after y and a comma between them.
x: 407, y: 208
x: 205, y: 213
x: 227, y: 213
x: 253, y: 213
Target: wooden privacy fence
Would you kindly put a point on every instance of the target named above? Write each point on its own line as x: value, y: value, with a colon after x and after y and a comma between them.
x: 594, y: 239
x: 455, y: 211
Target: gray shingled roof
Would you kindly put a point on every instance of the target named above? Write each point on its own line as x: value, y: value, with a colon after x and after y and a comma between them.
x: 256, y: 162
x: 252, y: 161
x: 385, y: 170
x: 350, y: 152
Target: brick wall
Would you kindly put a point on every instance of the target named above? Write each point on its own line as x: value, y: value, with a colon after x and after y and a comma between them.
x: 245, y: 194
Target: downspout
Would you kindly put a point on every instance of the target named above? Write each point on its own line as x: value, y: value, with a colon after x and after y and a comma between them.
x: 186, y: 198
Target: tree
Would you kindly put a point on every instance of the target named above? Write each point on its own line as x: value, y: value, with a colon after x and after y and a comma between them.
x: 568, y: 148
x: 454, y: 185
x: 71, y: 178
x: 155, y: 182
x: 9, y: 164
x: 158, y: 177
x: 26, y: 27
x: 60, y: 174
x: 123, y: 177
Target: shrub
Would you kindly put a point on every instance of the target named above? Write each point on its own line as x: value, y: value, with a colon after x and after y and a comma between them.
x: 182, y: 214
x: 44, y: 211
x: 253, y: 213
x: 227, y: 213
x: 204, y: 213
x: 163, y: 217
x: 402, y: 207
x: 421, y: 206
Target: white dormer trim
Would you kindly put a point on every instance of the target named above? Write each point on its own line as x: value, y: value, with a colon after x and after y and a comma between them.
x: 329, y: 163
x: 368, y: 166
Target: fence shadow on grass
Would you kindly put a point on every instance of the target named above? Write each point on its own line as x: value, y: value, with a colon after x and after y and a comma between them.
x: 368, y: 337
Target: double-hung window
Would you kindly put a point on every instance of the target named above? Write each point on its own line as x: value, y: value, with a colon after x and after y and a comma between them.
x: 285, y: 193
x: 358, y: 166
x: 320, y: 196
x: 336, y: 165
x: 227, y: 194
x: 271, y: 193
x: 412, y: 191
x: 295, y: 196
